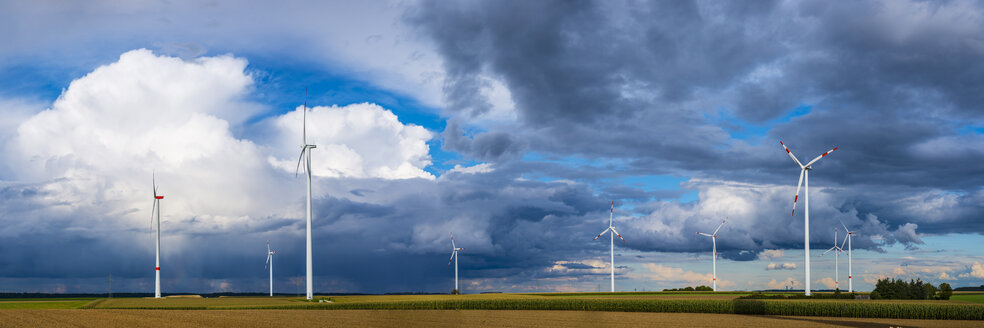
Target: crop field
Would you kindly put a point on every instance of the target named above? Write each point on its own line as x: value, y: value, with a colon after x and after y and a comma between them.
x: 43, y: 303
x: 607, y: 302
x: 973, y: 297
x: 430, y: 318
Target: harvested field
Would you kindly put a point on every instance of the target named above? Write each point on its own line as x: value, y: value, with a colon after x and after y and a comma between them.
x: 429, y: 318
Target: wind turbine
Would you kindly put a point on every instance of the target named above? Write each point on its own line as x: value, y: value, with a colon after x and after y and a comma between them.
x: 805, y: 177
x: 611, y: 228
x: 836, y: 260
x: 306, y: 150
x: 715, y: 250
x: 269, y: 262
x: 454, y: 257
x: 850, y: 273
x: 156, y: 210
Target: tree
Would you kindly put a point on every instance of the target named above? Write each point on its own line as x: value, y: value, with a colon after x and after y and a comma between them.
x: 929, y: 291
x: 874, y: 295
x: 945, y: 291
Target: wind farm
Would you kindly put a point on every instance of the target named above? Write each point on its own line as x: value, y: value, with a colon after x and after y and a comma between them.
x: 511, y: 123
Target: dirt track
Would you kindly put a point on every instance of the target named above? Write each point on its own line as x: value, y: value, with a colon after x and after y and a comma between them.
x: 428, y: 318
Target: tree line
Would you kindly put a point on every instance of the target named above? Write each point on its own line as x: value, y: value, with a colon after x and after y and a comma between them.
x: 898, y: 289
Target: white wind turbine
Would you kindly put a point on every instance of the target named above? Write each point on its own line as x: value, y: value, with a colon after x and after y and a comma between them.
x: 269, y: 262
x: 306, y: 150
x: 156, y: 210
x: 805, y: 177
x: 611, y: 228
x: 850, y: 273
x: 837, y: 251
x: 715, y: 252
x: 454, y: 257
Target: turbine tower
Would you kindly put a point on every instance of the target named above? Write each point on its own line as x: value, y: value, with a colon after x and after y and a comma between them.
x: 611, y: 228
x: 850, y: 273
x: 156, y: 210
x: 269, y: 262
x: 837, y: 251
x: 715, y: 252
x: 306, y: 157
x: 454, y: 257
x: 804, y: 181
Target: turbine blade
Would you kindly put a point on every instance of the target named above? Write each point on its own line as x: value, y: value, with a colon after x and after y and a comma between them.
x: 452, y: 241
x: 268, y: 247
x: 304, y: 114
x: 790, y: 154
x: 152, y: 214
x: 821, y: 156
x: 845, y: 241
x: 704, y: 234
x: 845, y: 226
x: 617, y: 234
x: 798, y: 185
x: 267, y: 261
x: 602, y: 233
x: 452, y: 257
x: 719, y: 227
x: 299, y: 158
x: 611, y: 214
x: 825, y: 252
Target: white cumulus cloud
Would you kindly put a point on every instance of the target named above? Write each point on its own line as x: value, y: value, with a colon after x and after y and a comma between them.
x: 781, y: 266
x: 358, y: 141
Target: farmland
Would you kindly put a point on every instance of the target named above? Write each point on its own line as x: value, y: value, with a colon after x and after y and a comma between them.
x: 546, y: 310
x: 974, y: 297
x: 428, y: 318
x: 721, y: 303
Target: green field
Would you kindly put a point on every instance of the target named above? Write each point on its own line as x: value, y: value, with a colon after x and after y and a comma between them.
x: 969, y: 297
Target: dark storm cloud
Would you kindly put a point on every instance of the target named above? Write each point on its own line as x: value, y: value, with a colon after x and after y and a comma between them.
x: 896, y: 85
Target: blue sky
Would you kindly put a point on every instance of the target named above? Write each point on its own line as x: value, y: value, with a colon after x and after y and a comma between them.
x: 514, y: 131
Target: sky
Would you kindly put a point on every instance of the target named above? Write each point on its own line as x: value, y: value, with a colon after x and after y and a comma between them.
x: 513, y: 124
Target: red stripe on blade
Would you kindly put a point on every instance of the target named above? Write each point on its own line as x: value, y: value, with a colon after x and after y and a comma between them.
x: 158, y: 268
x: 159, y: 197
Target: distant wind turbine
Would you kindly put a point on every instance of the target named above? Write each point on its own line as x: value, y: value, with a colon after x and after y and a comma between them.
x: 850, y: 273
x: 269, y: 262
x: 454, y: 257
x: 804, y: 181
x: 837, y: 251
x: 156, y: 210
x: 611, y: 228
x: 715, y: 252
x: 306, y: 150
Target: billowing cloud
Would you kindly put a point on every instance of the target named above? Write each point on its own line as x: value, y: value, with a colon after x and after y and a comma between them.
x: 828, y: 282
x: 781, y: 266
x: 977, y: 270
x: 771, y: 254
x: 788, y: 282
x: 659, y: 272
x: 357, y: 141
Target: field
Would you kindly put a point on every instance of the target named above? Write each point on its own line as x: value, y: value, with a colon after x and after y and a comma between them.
x: 547, y: 310
x: 974, y: 297
x: 45, y: 303
x: 430, y: 318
